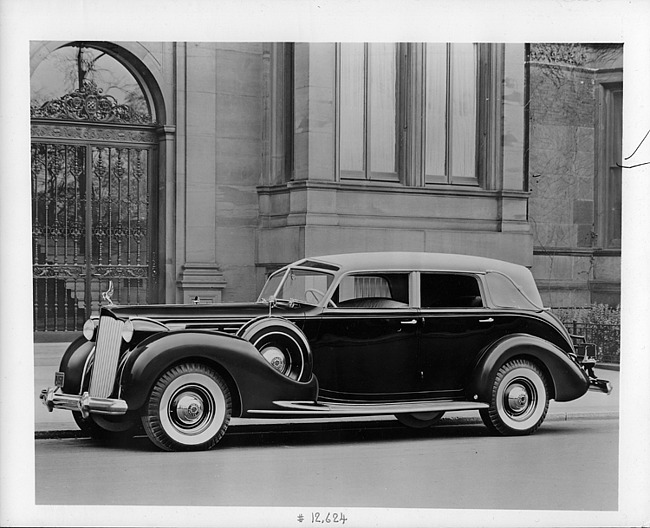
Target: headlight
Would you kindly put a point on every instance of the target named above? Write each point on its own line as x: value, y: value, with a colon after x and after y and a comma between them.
x: 89, y: 329
x: 128, y: 330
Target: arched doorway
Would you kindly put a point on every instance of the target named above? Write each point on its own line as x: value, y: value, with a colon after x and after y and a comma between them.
x: 93, y: 170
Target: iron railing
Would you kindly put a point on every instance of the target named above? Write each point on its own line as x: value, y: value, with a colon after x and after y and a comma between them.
x: 606, y: 337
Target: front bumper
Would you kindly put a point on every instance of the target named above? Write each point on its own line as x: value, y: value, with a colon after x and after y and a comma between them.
x: 84, y: 403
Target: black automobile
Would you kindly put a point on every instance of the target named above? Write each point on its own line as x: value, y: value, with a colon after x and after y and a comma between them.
x: 409, y: 334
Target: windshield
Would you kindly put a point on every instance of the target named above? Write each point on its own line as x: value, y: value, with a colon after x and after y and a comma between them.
x: 297, y: 285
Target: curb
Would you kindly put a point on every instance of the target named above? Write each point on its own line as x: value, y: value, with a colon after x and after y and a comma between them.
x: 342, y: 426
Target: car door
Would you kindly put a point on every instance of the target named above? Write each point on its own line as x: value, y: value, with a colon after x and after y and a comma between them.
x: 455, y: 327
x: 366, y: 345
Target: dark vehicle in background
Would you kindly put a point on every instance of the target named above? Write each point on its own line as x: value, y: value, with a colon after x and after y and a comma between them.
x: 409, y: 334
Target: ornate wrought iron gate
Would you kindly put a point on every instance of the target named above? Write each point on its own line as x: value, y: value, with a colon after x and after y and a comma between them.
x: 93, y: 207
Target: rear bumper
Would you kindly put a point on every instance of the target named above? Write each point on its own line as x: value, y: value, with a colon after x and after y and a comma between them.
x: 84, y: 403
x: 595, y: 383
x: 600, y: 385
x: 586, y: 356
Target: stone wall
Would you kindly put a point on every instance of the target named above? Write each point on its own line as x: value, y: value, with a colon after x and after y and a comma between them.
x: 565, y: 127
x: 313, y: 211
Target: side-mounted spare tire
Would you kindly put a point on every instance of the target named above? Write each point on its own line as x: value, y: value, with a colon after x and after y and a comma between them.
x: 282, y: 344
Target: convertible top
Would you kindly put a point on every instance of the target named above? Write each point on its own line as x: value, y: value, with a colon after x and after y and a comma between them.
x: 420, y: 261
x: 413, y: 260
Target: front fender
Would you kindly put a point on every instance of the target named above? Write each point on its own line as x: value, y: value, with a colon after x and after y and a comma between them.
x: 256, y: 382
x: 567, y: 380
x: 73, y: 364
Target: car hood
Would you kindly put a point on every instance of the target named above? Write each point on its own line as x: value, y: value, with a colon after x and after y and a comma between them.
x: 204, y: 313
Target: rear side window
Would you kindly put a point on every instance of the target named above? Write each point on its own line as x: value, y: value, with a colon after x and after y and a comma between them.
x: 505, y: 293
x: 448, y: 290
x: 385, y: 290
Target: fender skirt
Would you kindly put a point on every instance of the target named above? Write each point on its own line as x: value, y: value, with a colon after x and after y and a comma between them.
x: 567, y: 381
x: 257, y: 383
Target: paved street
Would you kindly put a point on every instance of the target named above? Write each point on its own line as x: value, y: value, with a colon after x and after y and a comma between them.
x: 570, y: 465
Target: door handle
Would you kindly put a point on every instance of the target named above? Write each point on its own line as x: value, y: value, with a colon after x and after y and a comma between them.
x: 411, y: 322
x: 488, y: 320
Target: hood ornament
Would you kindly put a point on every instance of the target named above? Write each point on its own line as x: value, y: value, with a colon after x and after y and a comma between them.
x: 108, y: 293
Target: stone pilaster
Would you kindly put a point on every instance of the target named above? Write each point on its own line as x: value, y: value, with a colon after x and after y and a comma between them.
x: 201, y: 282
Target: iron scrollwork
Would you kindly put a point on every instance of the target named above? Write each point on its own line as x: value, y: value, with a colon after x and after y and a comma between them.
x: 120, y: 271
x: 90, y: 104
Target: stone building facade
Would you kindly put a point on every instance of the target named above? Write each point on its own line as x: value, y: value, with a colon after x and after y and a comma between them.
x: 220, y: 162
x: 575, y: 138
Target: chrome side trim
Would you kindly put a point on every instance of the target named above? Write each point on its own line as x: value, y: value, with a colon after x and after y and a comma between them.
x: 350, y: 409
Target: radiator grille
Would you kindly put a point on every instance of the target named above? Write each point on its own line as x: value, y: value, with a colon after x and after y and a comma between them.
x: 107, y: 353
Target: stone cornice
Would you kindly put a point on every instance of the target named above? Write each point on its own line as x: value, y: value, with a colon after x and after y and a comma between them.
x: 380, y: 187
x: 577, y: 252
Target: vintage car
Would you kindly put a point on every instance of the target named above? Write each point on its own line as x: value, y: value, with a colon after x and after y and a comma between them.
x: 407, y: 334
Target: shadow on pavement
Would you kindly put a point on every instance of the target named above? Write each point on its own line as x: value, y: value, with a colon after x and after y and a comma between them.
x: 328, y: 434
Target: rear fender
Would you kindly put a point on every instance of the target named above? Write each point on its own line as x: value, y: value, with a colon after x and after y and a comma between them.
x: 567, y: 381
x: 256, y: 382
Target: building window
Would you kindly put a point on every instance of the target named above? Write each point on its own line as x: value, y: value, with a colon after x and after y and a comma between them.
x: 609, y: 185
x: 369, y: 111
x: 450, y: 113
x: 377, y: 141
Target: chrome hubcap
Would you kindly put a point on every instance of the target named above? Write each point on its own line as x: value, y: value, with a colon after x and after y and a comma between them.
x: 189, y: 408
x: 520, y: 399
x: 517, y: 398
x: 275, y: 357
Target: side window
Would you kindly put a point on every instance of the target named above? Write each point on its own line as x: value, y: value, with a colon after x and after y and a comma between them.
x: 446, y: 290
x: 385, y: 290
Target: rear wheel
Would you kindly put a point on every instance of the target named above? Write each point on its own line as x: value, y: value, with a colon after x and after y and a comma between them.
x: 519, y: 399
x: 189, y: 408
x: 420, y: 420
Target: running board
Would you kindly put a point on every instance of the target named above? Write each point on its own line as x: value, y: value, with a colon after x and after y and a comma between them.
x: 365, y: 409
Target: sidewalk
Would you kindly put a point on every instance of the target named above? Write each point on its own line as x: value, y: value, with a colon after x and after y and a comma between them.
x: 59, y: 423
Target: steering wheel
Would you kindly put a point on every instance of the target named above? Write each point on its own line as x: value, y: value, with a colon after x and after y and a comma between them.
x: 318, y: 296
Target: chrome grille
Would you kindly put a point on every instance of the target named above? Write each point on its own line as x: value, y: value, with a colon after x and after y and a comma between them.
x: 107, y: 353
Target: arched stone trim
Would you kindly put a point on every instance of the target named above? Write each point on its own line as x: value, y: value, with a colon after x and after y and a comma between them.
x: 135, y: 57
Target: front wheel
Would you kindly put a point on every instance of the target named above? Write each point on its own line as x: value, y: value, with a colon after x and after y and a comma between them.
x: 519, y: 399
x: 189, y: 408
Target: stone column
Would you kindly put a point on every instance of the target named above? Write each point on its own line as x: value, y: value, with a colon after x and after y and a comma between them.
x: 197, y: 183
x: 315, y: 111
